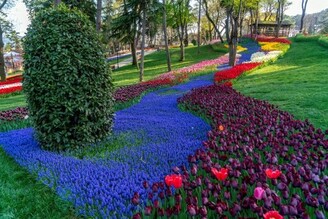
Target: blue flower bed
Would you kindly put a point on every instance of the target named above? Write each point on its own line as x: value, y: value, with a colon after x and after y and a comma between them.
x: 103, y: 188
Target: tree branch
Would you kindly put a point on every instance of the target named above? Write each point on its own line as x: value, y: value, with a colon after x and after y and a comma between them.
x: 3, y: 4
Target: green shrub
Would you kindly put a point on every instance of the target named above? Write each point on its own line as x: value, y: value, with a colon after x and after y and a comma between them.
x: 66, y: 80
x: 323, y: 41
x: 306, y: 38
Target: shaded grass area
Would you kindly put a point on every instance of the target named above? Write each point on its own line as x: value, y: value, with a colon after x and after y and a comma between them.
x: 297, y: 83
x: 21, y: 196
x: 12, y: 101
x: 155, y: 63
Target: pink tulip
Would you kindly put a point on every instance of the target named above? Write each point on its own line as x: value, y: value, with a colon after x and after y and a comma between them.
x: 258, y: 193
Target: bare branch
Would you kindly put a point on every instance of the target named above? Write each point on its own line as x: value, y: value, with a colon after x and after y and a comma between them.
x: 3, y: 4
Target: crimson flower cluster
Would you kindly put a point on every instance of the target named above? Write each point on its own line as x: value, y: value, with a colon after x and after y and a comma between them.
x: 273, y: 39
x: 264, y: 163
x: 234, y: 72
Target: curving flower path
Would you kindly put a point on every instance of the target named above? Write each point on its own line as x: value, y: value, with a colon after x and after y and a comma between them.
x: 102, y: 188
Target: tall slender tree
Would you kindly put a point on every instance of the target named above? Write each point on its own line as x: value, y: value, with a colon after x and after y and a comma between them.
x: 168, y: 56
x: 210, y: 19
x: 2, y: 60
x: 198, y: 25
x: 98, y: 15
x: 143, y: 38
x: 304, y: 5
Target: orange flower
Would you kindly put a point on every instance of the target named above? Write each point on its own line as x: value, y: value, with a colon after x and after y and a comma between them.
x: 221, y: 128
x: 272, y: 215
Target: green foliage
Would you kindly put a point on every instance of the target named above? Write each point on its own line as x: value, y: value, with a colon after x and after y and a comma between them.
x: 323, y: 40
x: 297, y: 83
x: 306, y: 38
x: 86, y: 6
x: 66, y: 80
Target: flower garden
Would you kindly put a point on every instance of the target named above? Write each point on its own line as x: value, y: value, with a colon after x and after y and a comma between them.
x: 248, y: 160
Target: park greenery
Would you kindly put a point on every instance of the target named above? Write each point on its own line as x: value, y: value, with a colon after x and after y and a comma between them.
x: 216, y: 121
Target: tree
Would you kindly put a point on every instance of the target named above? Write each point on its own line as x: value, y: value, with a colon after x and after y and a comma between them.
x: 281, y: 8
x: 304, y: 4
x: 2, y: 22
x: 143, y: 35
x: 168, y: 57
x: 98, y: 15
x: 269, y: 7
x: 198, y: 25
x: 233, y: 10
x: 181, y: 17
x: 216, y: 6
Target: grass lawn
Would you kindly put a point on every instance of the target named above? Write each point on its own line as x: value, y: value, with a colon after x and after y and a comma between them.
x: 297, y: 83
x: 21, y: 196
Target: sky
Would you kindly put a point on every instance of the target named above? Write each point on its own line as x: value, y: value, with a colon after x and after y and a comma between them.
x: 19, y: 16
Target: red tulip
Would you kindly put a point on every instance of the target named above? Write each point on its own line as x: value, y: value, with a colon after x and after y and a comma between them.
x: 221, y: 174
x: 272, y: 215
x: 272, y: 174
x: 174, y: 180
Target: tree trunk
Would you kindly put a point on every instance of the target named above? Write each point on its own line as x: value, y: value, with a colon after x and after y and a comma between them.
x: 304, y: 4
x: 233, y: 42
x: 143, y: 37
x: 168, y: 57
x: 198, y: 26
x: 186, y: 40
x: 134, y: 53
x: 227, y: 24
x: 2, y: 60
x: 98, y: 18
x: 181, y: 37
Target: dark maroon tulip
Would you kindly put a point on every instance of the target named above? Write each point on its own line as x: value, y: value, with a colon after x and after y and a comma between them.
x: 284, y: 210
x: 148, y: 210
x: 285, y: 194
x: 161, y: 195
x: 292, y: 210
x: 203, y: 211
x: 156, y: 204
x: 160, y: 212
x: 150, y: 195
x: 176, y: 208
x: 155, y: 187
x: 145, y: 184
x: 227, y: 195
x: 312, y: 201
x: 178, y: 198
x: 193, y: 170
x: 191, y: 210
x: 137, y: 216
x: 321, y: 199
x: 205, y: 200
x: 135, y: 199
x: 281, y: 186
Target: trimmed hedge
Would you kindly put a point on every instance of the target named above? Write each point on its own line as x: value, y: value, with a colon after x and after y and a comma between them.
x: 66, y: 81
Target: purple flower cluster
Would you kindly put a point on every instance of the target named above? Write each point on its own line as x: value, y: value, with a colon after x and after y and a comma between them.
x: 256, y: 136
x: 18, y: 113
x: 103, y: 187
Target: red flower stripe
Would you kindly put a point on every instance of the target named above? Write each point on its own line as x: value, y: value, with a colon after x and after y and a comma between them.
x: 10, y: 90
x: 234, y: 72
